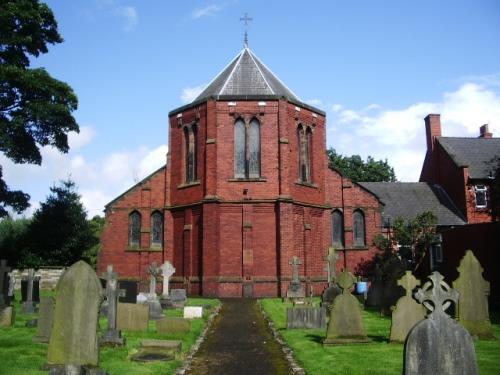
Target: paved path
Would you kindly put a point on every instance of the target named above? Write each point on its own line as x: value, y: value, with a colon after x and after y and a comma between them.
x: 239, y: 343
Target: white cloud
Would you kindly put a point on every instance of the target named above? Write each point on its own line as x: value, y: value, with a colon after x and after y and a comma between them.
x: 78, y: 140
x: 399, y: 134
x: 190, y: 93
x: 315, y: 102
x: 129, y: 15
x: 206, y: 11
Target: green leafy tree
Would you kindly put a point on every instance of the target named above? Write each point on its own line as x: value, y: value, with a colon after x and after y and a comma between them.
x: 13, y: 238
x: 59, y: 233
x: 356, y: 169
x: 35, y: 109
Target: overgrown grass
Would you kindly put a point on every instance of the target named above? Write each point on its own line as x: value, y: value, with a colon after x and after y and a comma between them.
x: 376, y: 358
x: 20, y: 356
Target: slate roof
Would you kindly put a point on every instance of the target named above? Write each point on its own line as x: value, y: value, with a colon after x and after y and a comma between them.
x: 407, y: 199
x: 475, y: 153
x: 246, y: 76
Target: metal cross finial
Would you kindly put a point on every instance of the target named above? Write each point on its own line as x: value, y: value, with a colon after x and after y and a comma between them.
x: 246, y: 19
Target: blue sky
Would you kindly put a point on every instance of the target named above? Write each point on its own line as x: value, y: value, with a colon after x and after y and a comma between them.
x: 375, y: 67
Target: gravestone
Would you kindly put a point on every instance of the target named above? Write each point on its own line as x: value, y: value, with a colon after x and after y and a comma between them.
x: 167, y: 270
x: 306, y: 317
x: 178, y: 298
x: 173, y: 325
x: 438, y: 344
x: 4, y: 284
x: 155, y: 309
x: 73, y: 339
x: 132, y: 317
x: 45, y: 319
x: 112, y: 335
x: 7, y: 316
x: 332, y: 290
x: 391, y: 292
x: 376, y: 290
x: 473, y: 311
x: 32, y: 290
x: 407, y: 312
x: 157, y: 350
x: 192, y: 312
x: 131, y: 288
x: 346, y: 324
x: 142, y: 297
x: 11, y: 288
x: 295, y: 289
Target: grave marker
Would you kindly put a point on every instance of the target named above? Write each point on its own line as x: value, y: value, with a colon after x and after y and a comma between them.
x: 112, y: 335
x: 4, y: 286
x: 407, y: 312
x: 132, y: 317
x: 173, y: 325
x: 473, y: 311
x: 167, y: 270
x: 45, y: 319
x: 345, y: 325
x: 306, y: 317
x: 32, y: 283
x: 331, y: 269
x: 295, y: 289
x: 438, y: 344
x: 155, y: 310
x: 192, y: 312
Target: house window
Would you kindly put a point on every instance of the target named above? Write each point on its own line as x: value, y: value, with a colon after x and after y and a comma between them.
x: 337, y: 228
x: 304, y: 136
x: 157, y: 229
x: 247, y: 149
x: 358, y: 228
x: 480, y: 192
x: 190, y: 135
x: 134, y: 229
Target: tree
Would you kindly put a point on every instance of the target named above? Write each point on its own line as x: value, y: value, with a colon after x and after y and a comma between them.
x: 356, y: 169
x: 13, y: 238
x: 59, y: 233
x: 35, y: 109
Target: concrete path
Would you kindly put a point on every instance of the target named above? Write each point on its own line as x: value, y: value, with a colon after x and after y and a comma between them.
x: 239, y: 343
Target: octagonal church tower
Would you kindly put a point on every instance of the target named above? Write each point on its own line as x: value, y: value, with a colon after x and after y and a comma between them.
x: 245, y: 188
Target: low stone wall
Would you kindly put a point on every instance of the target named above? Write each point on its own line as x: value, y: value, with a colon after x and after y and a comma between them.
x: 48, y: 280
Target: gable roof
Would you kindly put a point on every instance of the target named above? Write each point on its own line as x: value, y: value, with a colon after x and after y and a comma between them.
x: 475, y: 153
x: 246, y: 75
x: 408, y: 199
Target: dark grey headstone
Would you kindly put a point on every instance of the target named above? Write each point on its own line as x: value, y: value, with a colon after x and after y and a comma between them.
x: 438, y: 344
x: 131, y: 288
x: 178, y: 297
x: 329, y: 295
x: 24, y: 291
x: 306, y: 317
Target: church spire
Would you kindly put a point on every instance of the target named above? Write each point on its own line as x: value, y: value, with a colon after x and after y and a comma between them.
x: 246, y: 19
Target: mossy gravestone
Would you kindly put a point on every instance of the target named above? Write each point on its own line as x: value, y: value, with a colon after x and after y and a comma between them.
x: 45, y: 319
x: 438, y: 344
x: 407, y: 312
x: 73, y: 340
x: 346, y: 324
x: 473, y: 303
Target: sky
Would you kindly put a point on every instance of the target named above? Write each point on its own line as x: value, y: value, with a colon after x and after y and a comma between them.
x: 377, y: 68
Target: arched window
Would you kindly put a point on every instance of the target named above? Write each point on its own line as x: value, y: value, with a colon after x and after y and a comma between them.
x: 246, y: 149
x: 156, y: 229
x: 358, y: 228
x: 134, y: 229
x: 190, y: 140
x: 337, y: 228
x: 304, y: 136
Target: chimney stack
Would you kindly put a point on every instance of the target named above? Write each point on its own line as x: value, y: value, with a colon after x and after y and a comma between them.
x: 432, y: 130
x: 484, y: 132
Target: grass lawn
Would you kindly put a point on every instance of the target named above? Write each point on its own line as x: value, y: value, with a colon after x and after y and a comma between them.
x: 376, y: 358
x: 20, y: 356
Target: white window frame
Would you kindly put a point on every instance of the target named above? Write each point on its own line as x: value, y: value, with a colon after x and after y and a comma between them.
x: 482, y: 189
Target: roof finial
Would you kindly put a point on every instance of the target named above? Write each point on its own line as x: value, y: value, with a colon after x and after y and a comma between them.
x: 246, y: 19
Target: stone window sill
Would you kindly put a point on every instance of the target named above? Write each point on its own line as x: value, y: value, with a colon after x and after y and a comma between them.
x: 185, y: 185
x: 306, y: 184
x: 138, y: 249
x: 260, y: 179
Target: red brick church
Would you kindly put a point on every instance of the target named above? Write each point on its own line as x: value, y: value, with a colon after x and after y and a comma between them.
x: 246, y: 186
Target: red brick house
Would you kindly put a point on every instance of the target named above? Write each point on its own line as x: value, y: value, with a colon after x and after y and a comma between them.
x: 463, y: 167
x: 246, y: 187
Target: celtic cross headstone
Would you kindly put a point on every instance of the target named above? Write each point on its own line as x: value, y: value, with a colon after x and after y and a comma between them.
x: 112, y: 335
x: 331, y: 260
x: 295, y: 289
x: 167, y: 270
x: 438, y: 344
x: 407, y: 311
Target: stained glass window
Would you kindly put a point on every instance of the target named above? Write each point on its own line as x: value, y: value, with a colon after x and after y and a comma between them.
x: 337, y: 228
x: 358, y: 219
x: 247, y: 149
x: 134, y: 229
x: 157, y: 229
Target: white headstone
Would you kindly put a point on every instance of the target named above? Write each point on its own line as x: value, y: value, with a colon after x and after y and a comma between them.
x: 142, y: 297
x: 167, y: 270
x: 191, y: 312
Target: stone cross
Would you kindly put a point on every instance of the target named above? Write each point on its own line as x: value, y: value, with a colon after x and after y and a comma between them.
x: 29, y: 305
x: 346, y: 280
x: 331, y: 259
x: 438, y: 293
x: 408, y: 282
x: 167, y: 270
x: 3, y: 271
x: 153, y: 271
x: 295, y: 263
x: 112, y: 335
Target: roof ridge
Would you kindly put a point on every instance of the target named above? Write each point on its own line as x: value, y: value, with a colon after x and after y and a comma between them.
x: 232, y: 71
x: 260, y: 71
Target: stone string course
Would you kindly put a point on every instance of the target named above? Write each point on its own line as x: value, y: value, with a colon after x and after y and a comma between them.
x: 48, y: 280
x: 292, y: 363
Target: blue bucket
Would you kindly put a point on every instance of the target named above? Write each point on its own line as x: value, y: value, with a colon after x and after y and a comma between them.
x: 361, y: 287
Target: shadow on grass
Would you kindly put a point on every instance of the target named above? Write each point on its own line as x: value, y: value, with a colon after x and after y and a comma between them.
x: 316, y: 338
x: 378, y: 338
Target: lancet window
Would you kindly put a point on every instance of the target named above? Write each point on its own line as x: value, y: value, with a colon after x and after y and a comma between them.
x: 246, y: 149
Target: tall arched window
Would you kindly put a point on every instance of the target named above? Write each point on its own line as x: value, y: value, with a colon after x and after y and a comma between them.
x: 337, y: 228
x: 156, y: 229
x: 304, y: 136
x: 134, y: 229
x: 246, y: 149
x: 358, y: 228
x: 190, y: 140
